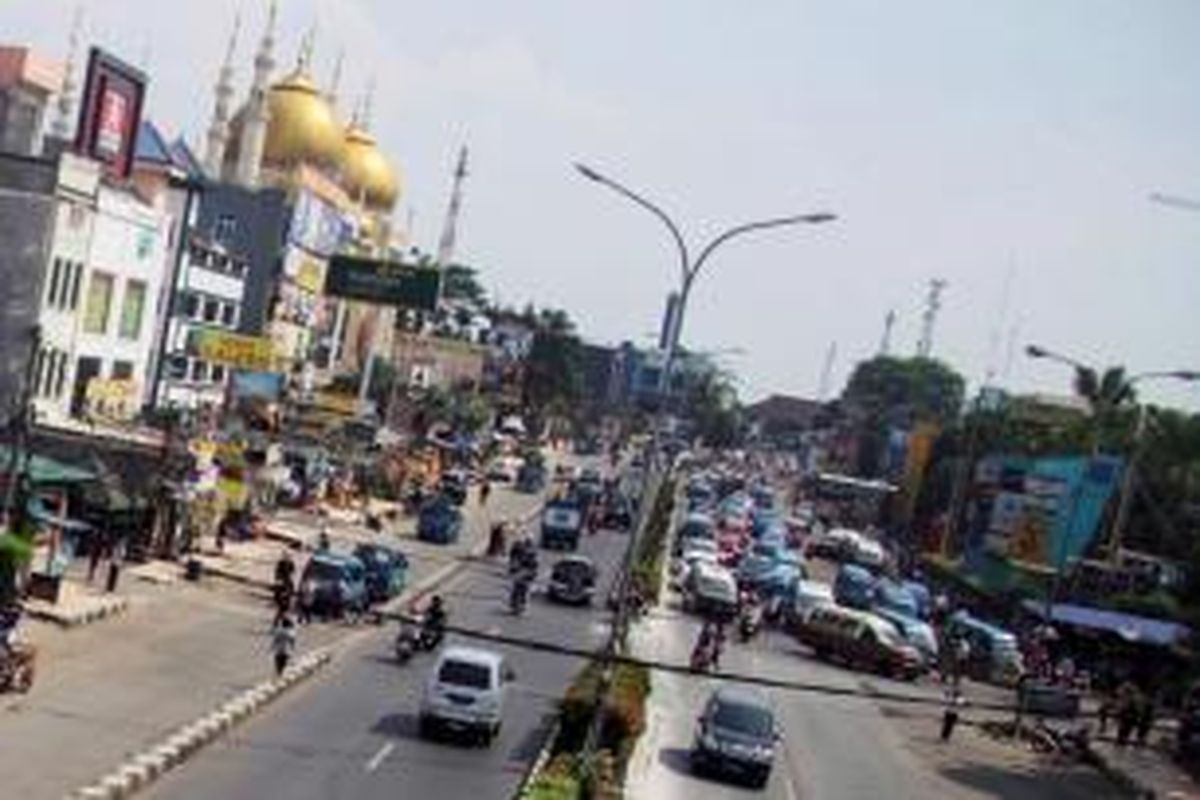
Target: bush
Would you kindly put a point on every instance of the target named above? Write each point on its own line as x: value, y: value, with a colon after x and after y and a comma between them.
x: 559, y: 780
x: 576, y: 709
x: 624, y: 716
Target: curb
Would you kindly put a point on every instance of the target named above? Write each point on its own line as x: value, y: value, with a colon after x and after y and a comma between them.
x: 148, y: 766
x: 540, y: 761
x: 117, y: 605
x: 1119, y: 778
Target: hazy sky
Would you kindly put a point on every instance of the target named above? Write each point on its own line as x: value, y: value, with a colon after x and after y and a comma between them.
x: 994, y: 144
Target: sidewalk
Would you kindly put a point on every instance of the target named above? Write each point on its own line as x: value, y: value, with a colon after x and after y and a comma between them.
x: 1146, y: 770
x: 110, y: 689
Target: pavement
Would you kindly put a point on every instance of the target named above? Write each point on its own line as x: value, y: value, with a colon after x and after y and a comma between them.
x: 107, y: 691
x: 352, y: 732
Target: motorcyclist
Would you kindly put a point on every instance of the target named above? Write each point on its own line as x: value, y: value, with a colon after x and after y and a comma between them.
x: 19, y: 654
x: 433, y: 626
x: 703, y: 653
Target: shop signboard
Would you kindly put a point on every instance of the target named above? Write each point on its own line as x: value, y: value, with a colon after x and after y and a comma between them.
x: 384, y: 282
x: 316, y: 225
x: 234, y: 349
x: 246, y: 384
x: 110, y: 112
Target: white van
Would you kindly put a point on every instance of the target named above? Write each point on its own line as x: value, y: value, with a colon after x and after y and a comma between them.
x: 465, y: 693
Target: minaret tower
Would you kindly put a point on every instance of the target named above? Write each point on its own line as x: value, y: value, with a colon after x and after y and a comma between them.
x: 254, y: 133
x: 218, y: 131
x: 64, y: 120
x: 445, y: 250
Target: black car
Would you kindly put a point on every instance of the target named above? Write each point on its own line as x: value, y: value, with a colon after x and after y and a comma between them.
x: 572, y: 580
x: 736, y: 736
x: 618, y: 513
x: 386, y: 570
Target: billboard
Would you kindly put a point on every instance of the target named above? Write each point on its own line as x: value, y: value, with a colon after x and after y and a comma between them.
x: 110, y: 112
x: 247, y: 384
x: 316, y: 225
x: 235, y: 349
x: 387, y: 283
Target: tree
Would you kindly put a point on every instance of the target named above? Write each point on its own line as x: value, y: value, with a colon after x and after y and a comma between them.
x: 554, y: 367
x: 1108, y: 395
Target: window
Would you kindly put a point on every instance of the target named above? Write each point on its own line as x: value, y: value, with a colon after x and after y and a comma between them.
x: 191, y: 305
x: 122, y: 370
x: 132, y: 310
x: 218, y: 373
x: 55, y: 275
x: 99, y: 303
x: 225, y: 229
x: 237, y: 269
x: 177, y: 367
x: 39, y: 372
x: 212, y: 310
x: 228, y: 312
x: 60, y: 379
x: 199, y: 370
x: 75, y: 283
x: 145, y: 242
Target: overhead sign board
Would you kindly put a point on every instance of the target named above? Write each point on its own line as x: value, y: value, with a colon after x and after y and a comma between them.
x: 388, y: 283
x: 235, y: 349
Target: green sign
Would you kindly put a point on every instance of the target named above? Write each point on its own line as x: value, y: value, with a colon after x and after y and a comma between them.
x: 388, y: 283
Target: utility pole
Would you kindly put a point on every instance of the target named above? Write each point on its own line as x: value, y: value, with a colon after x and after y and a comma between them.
x: 827, y: 372
x: 885, y: 343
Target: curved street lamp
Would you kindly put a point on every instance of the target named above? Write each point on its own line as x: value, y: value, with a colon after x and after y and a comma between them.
x: 689, y: 270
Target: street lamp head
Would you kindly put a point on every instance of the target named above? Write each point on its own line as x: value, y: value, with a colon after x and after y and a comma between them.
x: 1033, y: 351
x: 588, y: 172
x: 815, y: 219
x: 1186, y: 375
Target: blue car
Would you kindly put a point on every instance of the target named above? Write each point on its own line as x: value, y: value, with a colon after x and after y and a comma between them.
x: 854, y: 587
x: 333, y: 585
x: 386, y: 568
x: 439, y: 522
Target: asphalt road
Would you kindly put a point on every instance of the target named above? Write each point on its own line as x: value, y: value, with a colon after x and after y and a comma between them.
x: 353, y: 732
x: 833, y: 747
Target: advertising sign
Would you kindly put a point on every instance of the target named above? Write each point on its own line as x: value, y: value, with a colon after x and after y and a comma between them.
x: 248, y: 383
x: 110, y: 112
x: 235, y: 349
x: 316, y: 225
x: 383, y: 282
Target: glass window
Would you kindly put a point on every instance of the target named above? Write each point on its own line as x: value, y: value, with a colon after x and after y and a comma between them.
x: 122, y: 370
x: 191, y: 305
x: 132, y: 310
x: 752, y: 720
x: 99, y: 303
x: 465, y: 673
x: 60, y: 380
x: 75, y: 283
x: 226, y: 228
x: 145, y: 242
x: 218, y: 373
x: 199, y: 370
x: 227, y: 314
x: 55, y: 275
x: 39, y: 371
x: 177, y: 367
x: 212, y: 309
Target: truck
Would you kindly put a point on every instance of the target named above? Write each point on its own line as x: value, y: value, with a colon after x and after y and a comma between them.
x: 562, y: 522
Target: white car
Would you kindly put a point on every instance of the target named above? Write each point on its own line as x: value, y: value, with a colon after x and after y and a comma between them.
x: 698, y: 552
x: 465, y: 693
x: 504, y: 469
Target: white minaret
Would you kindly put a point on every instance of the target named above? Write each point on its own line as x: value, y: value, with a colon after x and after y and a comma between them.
x: 335, y: 80
x: 218, y: 131
x: 254, y: 130
x: 64, y: 120
x: 449, y: 235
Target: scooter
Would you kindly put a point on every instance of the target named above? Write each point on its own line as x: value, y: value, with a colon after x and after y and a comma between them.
x: 413, y: 638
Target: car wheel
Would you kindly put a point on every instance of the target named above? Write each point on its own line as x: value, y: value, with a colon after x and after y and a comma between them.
x: 760, y: 779
x: 697, y: 764
x: 426, y: 726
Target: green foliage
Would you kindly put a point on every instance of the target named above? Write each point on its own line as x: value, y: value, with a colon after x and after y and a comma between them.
x: 647, y: 568
x: 16, y: 551
x: 462, y: 409
x: 559, y: 780
x: 900, y: 390
x: 554, y: 368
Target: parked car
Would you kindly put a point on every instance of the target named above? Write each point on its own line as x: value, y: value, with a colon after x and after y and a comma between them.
x: 806, y: 596
x: 386, y: 570
x: 736, y: 734
x: 915, y: 631
x: 861, y: 641
x: 439, y: 521
x: 465, y: 693
x: 994, y: 654
x: 562, y: 522
x: 695, y: 526
x: 711, y: 591
x: 333, y: 585
x: 572, y: 580
x: 853, y: 586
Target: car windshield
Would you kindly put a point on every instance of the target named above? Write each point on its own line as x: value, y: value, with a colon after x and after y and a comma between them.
x: 464, y: 673
x: 324, y: 571
x: 743, y: 718
x: 572, y: 570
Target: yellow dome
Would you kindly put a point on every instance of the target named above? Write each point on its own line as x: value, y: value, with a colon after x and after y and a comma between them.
x: 302, y: 128
x: 366, y: 174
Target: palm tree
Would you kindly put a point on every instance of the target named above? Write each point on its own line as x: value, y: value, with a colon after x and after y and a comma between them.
x: 1106, y: 394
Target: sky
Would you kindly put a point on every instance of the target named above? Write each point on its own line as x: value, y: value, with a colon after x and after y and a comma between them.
x: 1009, y: 148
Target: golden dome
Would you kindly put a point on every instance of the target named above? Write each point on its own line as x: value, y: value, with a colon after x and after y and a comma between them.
x: 366, y: 173
x: 302, y: 128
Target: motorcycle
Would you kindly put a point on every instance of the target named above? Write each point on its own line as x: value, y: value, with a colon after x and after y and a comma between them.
x: 750, y: 621
x: 519, y: 596
x: 702, y: 656
x: 414, y: 637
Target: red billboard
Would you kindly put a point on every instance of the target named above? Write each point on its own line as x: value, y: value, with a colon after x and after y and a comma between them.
x: 110, y: 112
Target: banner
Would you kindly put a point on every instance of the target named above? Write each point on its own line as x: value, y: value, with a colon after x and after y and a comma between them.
x: 234, y: 349
x: 383, y: 282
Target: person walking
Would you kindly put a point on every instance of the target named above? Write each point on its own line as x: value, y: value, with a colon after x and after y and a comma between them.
x: 1145, y: 719
x: 485, y: 491
x: 283, y: 644
x: 1127, y: 711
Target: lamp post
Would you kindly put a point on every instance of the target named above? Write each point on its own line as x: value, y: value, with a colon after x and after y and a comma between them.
x: 1128, y: 478
x: 689, y: 269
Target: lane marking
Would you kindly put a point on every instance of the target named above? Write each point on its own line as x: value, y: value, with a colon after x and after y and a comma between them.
x: 379, y: 756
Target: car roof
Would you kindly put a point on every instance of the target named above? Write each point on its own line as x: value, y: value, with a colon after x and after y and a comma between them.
x: 575, y: 560
x: 471, y: 655
x: 741, y: 696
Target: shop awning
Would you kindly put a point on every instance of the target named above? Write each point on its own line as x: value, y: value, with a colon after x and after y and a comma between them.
x: 1130, y: 627
x: 45, y: 470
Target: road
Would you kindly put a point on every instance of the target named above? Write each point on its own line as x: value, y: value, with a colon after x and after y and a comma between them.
x: 833, y: 747
x: 353, y: 733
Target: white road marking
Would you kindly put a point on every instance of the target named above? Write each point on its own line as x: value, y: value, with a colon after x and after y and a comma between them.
x: 379, y: 756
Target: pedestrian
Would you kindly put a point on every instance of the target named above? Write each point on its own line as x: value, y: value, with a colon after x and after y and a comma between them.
x: 284, y: 593
x: 95, y: 552
x: 496, y: 540
x: 1145, y: 718
x: 285, y: 568
x: 485, y: 489
x: 950, y: 713
x: 1127, y: 711
x: 283, y: 643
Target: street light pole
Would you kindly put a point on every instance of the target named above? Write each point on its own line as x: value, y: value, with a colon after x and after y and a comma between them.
x: 689, y: 270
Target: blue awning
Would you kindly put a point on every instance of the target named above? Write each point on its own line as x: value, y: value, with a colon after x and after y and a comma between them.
x: 1131, y: 627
